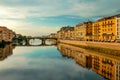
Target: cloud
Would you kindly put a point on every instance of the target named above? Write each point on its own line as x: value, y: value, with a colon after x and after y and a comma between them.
x: 9, y: 23
x: 62, y: 7
x: 11, y: 12
x: 32, y: 8
x: 37, y: 31
x: 42, y: 13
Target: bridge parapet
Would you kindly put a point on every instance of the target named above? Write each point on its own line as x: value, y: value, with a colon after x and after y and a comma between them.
x: 43, y: 39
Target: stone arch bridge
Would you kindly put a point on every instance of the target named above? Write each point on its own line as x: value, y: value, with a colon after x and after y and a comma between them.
x: 43, y: 40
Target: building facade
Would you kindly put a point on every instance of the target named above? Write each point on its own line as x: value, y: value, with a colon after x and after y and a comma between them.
x: 80, y: 31
x: 65, y: 32
x: 88, y: 30
x: 107, y: 29
x: 6, y: 34
x: 53, y: 35
x: 95, y: 31
x: 118, y: 28
x: 69, y: 33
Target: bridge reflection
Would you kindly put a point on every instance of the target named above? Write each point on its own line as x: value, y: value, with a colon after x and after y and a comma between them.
x: 38, y: 45
x: 104, y: 65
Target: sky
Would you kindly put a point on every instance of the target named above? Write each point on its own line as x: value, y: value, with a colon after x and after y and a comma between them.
x: 42, y: 17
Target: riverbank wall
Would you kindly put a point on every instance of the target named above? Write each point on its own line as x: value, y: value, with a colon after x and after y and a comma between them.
x: 115, y: 46
x: 104, y: 47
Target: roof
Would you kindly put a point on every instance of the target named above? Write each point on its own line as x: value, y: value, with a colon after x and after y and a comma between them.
x: 108, y: 17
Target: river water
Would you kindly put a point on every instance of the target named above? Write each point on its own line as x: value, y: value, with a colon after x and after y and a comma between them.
x: 61, y: 62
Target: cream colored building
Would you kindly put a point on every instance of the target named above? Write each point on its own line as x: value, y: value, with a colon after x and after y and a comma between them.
x: 53, y: 35
x: 62, y: 33
x: 80, y: 31
x: 69, y: 33
x: 83, y: 31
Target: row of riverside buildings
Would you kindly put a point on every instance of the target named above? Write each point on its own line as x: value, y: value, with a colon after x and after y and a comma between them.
x: 6, y: 35
x: 105, y: 29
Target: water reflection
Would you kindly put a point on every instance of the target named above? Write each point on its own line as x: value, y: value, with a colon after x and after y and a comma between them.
x: 36, y: 42
x: 47, y: 63
x: 5, y: 51
x: 42, y: 63
x: 108, y: 67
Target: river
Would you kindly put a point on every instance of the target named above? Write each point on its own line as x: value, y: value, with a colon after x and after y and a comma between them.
x: 60, y: 62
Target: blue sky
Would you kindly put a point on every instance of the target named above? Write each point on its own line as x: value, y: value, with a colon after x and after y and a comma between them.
x: 41, y: 17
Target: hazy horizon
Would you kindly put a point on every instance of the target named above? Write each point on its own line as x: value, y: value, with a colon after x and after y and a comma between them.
x: 41, y: 17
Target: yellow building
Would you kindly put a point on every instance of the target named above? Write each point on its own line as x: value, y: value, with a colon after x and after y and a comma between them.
x: 95, y: 31
x: 107, y: 29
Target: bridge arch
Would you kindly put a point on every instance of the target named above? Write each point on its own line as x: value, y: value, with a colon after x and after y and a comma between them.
x: 43, y: 40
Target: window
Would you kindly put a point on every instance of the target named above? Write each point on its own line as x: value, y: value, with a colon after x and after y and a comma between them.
x: 117, y: 33
x: 103, y: 24
x: 111, y: 22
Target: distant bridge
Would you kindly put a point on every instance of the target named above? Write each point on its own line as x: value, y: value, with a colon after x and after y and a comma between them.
x: 43, y: 40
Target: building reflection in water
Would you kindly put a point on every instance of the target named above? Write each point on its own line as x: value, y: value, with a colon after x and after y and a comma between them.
x: 103, y: 65
x: 6, y: 51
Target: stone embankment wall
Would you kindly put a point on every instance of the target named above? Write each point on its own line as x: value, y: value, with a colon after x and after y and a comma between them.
x: 115, y: 46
